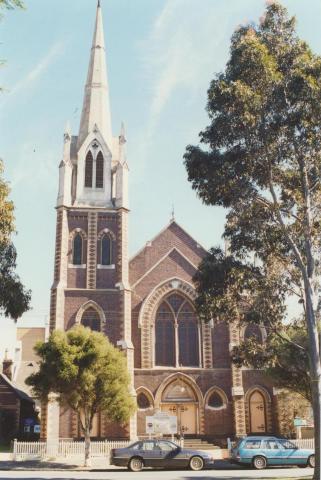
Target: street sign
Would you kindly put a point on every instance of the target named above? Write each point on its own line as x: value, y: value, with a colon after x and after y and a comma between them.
x: 300, y: 422
x: 161, y: 423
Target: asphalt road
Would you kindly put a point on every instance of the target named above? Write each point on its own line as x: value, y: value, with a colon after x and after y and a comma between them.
x: 240, y: 474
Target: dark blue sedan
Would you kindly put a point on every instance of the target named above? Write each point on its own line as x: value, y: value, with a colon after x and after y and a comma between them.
x: 159, y: 453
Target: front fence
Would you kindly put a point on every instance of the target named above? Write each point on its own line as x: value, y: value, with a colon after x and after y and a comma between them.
x: 304, y: 443
x: 64, y: 448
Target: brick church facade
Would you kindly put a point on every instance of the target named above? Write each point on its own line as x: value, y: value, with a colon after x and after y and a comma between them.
x: 145, y: 305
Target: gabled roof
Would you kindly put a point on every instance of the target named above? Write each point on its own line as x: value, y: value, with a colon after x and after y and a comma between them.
x: 17, y: 391
x: 170, y: 224
x: 171, y: 238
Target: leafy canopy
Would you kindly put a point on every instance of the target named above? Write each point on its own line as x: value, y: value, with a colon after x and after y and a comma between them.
x: 86, y: 372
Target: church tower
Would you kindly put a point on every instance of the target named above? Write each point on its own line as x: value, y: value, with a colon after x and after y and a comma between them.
x: 90, y: 284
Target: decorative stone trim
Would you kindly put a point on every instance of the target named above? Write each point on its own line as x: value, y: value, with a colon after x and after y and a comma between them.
x: 71, y: 265
x: 95, y: 306
x: 147, y: 313
x: 92, y: 250
x: 106, y: 267
x: 108, y: 232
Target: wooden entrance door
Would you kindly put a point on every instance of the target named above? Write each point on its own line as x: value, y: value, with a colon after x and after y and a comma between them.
x: 186, y: 416
x: 257, y: 413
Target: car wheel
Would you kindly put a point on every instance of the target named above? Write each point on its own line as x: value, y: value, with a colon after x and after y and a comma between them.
x: 135, y: 464
x: 259, y: 463
x: 311, y: 461
x: 196, y: 463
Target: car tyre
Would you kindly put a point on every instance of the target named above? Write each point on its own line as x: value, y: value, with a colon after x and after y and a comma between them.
x: 135, y: 464
x: 311, y: 461
x: 259, y: 462
x: 196, y: 463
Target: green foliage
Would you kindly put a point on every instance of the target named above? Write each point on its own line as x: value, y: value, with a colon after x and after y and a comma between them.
x: 283, y: 357
x: 11, y: 4
x: 86, y: 372
x: 291, y: 405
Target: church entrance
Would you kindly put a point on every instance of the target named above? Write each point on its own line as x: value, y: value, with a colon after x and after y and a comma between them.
x: 178, y: 399
x: 257, y: 413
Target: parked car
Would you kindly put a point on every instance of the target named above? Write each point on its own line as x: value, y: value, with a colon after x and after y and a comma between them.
x: 263, y: 451
x: 158, y: 453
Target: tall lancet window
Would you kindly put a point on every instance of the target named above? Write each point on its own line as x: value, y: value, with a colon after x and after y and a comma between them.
x: 106, y: 250
x: 89, y: 170
x: 100, y: 170
x: 77, y: 250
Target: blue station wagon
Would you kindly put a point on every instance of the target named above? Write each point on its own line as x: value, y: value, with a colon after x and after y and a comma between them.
x: 260, y: 452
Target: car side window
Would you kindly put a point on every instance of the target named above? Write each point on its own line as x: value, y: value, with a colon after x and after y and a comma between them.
x: 136, y: 446
x: 287, y: 444
x: 252, y: 444
x: 272, y: 445
x: 148, y: 446
x: 165, y: 446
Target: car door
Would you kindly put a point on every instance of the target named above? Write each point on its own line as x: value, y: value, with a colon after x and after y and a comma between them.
x: 290, y: 453
x: 151, y: 453
x: 172, y: 455
x: 273, y: 451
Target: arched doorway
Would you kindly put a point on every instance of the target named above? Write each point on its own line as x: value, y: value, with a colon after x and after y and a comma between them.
x: 180, y: 400
x: 257, y: 412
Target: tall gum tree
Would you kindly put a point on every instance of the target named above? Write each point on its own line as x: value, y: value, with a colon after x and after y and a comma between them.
x: 260, y: 158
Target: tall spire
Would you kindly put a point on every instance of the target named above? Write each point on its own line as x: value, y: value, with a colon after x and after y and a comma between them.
x: 96, y: 107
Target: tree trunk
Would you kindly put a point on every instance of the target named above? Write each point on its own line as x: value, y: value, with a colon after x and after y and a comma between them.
x: 87, y: 446
x: 315, y: 372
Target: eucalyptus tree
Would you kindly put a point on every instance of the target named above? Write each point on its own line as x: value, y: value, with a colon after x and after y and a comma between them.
x: 260, y: 159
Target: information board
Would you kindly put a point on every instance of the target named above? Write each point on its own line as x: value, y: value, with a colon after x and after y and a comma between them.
x: 161, y: 423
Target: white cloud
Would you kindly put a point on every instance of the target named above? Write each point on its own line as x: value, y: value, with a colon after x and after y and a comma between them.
x: 40, y: 68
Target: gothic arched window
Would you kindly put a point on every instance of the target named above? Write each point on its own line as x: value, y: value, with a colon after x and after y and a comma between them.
x: 77, y: 249
x: 89, y: 170
x: 91, y: 319
x: 143, y: 401
x: 100, y: 170
x: 106, y: 249
x: 253, y: 331
x: 176, y: 333
x: 215, y: 400
x: 188, y: 337
x: 165, y: 337
x: 220, y: 345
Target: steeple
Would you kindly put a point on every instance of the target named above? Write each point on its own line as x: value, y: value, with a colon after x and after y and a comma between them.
x: 96, y: 107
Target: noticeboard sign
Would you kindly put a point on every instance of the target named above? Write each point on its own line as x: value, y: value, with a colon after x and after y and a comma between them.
x: 161, y: 423
x: 300, y: 422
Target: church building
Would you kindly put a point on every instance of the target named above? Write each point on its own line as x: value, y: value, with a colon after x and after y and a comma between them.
x: 144, y: 305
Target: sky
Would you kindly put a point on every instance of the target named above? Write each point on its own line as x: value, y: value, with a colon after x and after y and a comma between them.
x: 161, y: 57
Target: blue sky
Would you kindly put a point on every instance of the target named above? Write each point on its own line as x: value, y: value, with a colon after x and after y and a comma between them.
x: 161, y: 56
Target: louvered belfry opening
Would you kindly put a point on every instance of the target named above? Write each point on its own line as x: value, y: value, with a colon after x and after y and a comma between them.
x: 89, y: 170
x: 100, y: 170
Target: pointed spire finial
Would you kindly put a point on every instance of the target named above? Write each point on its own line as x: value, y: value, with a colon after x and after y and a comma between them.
x: 96, y: 107
x: 122, y: 136
x: 6, y: 354
x: 172, y: 214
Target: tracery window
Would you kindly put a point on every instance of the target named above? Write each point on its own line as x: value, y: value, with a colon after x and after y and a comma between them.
x: 100, y: 170
x: 215, y: 400
x: 106, y: 249
x: 143, y: 401
x: 165, y: 337
x: 89, y: 170
x: 253, y: 331
x: 176, y: 333
x: 91, y: 319
x: 77, y: 249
